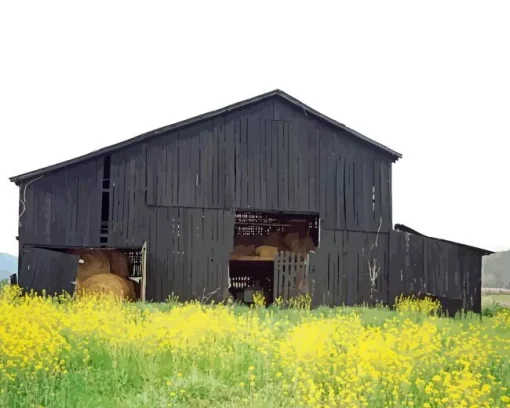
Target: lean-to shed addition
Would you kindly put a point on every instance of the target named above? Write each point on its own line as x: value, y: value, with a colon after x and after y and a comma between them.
x: 266, y: 194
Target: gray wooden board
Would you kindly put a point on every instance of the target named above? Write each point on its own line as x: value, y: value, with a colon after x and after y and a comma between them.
x: 50, y: 271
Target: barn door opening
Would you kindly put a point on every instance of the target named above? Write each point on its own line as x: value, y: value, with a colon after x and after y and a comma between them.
x: 118, y: 270
x: 260, y: 239
x: 51, y: 271
x: 121, y: 271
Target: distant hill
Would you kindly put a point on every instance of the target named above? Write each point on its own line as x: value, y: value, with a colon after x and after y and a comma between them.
x: 8, y: 265
x: 496, y: 270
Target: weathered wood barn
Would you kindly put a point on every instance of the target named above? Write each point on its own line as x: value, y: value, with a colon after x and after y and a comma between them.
x: 204, y: 208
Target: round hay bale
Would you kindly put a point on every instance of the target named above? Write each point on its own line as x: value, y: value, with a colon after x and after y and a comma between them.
x: 107, y: 283
x: 308, y: 244
x: 119, y: 264
x: 244, y: 250
x: 291, y: 238
x: 267, y: 250
x: 92, y: 262
x: 131, y: 286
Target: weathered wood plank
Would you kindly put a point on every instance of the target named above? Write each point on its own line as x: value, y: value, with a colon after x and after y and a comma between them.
x: 283, y: 165
x: 274, y: 168
x: 222, y: 167
x: 230, y: 164
x: 238, y: 164
x: 254, y: 137
x: 263, y: 163
x: 293, y: 168
x: 50, y: 271
x: 153, y: 269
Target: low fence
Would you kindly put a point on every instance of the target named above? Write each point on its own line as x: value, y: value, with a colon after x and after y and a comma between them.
x: 495, y: 291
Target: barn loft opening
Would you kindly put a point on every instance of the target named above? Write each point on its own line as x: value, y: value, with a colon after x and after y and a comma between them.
x: 118, y: 270
x: 261, y: 237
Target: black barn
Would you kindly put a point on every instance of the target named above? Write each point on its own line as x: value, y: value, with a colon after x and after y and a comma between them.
x: 189, y: 203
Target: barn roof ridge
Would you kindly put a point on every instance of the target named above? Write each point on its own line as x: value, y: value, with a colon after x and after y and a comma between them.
x: 147, y: 135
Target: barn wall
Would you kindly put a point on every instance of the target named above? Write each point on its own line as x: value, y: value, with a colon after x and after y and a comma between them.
x: 272, y: 157
x: 341, y: 268
x: 189, y: 252
x: 129, y: 217
x: 443, y: 269
x: 267, y: 156
x: 63, y: 208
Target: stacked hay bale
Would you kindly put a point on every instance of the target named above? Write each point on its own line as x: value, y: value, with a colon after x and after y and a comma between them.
x: 108, y: 283
x: 105, y: 272
x: 119, y: 265
x: 267, y: 251
x: 92, y: 262
x: 246, y: 250
x: 299, y: 245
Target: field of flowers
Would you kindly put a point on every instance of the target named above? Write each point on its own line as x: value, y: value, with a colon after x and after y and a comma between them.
x: 93, y: 352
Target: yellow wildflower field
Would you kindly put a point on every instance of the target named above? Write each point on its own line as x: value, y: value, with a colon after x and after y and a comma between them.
x: 99, y: 352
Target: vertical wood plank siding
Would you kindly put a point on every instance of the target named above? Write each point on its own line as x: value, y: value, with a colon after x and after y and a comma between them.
x: 177, y: 191
x: 289, y: 162
x: 342, y: 271
x: 189, y: 252
x: 50, y: 271
x: 426, y: 265
x: 128, y: 224
x: 63, y: 208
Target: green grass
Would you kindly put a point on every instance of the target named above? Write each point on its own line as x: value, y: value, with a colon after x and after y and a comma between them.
x: 120, y: 376
x: 496, y: 299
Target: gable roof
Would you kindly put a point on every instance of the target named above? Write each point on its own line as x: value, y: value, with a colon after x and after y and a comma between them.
x: 25, y: 176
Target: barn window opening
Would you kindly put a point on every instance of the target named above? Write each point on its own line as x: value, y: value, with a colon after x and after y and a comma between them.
x: 262, y: 240
x: 105, y: 203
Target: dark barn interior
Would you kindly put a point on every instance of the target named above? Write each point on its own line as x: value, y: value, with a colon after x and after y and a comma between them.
x: 222, y: 200
x: 258, y: 237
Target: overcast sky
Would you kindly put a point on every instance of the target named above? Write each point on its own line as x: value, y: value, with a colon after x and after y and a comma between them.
x: 431, y: 81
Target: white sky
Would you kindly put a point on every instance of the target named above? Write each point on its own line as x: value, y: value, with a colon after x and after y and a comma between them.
x: 431, y: 81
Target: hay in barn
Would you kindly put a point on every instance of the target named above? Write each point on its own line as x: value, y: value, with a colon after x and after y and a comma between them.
x: 92, y: 262
x: 308, y: 244
x: 107, y: 283
x: 273, y: 239
x: 119, y: 264
x: 267, y: 250
x: 131, y: 286
x: 244, y: 250
x: 293, y: 242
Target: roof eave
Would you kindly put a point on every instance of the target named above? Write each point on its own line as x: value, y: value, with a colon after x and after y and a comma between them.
x: 378, y: 145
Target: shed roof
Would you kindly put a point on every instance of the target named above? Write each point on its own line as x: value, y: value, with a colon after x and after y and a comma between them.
x: 404, y: 228
x: 277, y: 92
